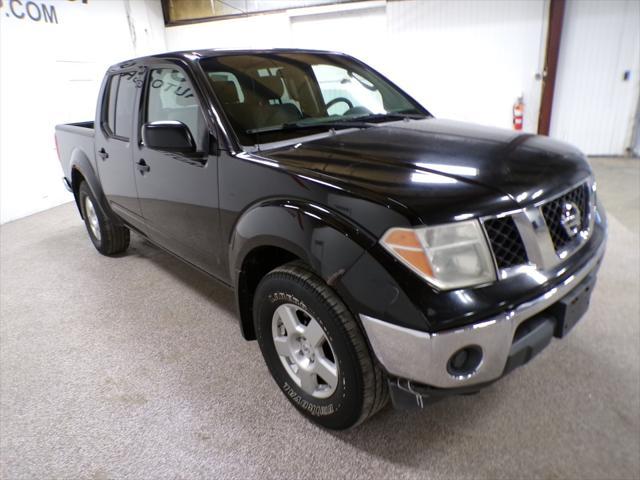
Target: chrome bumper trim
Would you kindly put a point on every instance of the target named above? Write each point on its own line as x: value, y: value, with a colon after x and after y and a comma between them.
x: 423, y: 357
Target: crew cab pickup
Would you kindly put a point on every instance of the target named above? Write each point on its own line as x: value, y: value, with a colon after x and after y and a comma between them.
x: 376, y: 252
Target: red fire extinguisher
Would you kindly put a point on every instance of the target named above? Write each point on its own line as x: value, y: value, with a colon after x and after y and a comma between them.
x: 518, y: 113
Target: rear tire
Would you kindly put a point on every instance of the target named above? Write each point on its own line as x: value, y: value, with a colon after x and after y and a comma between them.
x: 107, y: 236
x: 315, y: 349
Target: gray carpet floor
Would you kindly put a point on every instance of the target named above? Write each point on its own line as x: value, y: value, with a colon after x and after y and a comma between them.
x: 134, y: 367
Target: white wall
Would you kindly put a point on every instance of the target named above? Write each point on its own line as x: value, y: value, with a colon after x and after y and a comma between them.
x: 475, y: 57
x: 594, y: 107
x: 464, y: 59
x: 50, y: 74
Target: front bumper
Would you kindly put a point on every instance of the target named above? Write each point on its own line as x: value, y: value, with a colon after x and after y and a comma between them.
x: 421, y: 357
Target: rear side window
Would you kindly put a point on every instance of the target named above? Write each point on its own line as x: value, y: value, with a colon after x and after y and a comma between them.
x: 111, y: 110
x: 122, y: 97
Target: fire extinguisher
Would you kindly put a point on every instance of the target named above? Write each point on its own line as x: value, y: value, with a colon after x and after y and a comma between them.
x: 518, y: 113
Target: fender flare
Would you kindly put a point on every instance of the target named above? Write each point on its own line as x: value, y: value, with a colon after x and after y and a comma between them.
x: 80, y: 163
x: 325, y: 240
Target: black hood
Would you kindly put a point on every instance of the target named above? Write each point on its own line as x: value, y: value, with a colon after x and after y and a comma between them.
x: 443, y: 170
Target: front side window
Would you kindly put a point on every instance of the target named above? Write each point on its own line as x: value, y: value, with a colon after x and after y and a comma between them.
x: 274, y: 96
x: 171, y: 97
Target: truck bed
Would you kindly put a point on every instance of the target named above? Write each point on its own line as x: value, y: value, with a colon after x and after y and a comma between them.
x: 75, y: 139
x: 82, y: 128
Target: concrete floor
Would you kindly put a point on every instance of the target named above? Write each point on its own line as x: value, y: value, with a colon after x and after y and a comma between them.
x: 134, y: 367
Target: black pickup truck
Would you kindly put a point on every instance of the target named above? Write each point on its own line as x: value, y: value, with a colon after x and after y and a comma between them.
x: 375, y: 251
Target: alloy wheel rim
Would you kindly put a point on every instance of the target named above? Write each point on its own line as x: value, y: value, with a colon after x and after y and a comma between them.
x: 305, y: 351
x: 92, y: 218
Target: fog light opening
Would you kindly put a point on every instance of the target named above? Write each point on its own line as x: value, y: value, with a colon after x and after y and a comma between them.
x: 465, y: 361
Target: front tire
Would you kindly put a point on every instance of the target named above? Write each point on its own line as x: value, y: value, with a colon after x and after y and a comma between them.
x: 315, y: 349
x: 107, y: 236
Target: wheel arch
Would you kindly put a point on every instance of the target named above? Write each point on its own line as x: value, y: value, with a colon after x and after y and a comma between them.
x: 276, y: 232
x: 82, y: 170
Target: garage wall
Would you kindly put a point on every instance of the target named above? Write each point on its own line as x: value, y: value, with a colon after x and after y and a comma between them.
x: 52, y: 57
x: 594, y: 103
x: 463, y: 59
x: 466, y: 59
x: 472, y: 59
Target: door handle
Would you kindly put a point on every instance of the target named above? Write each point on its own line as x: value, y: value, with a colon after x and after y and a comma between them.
x: 103, y: 154
x: 143, y: 167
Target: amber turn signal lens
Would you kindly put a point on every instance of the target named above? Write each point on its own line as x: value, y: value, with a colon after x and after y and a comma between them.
x: 405, y: 244
x: 402, y: 238
x: 418, y: 259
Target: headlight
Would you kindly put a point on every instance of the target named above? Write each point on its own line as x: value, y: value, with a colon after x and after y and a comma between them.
x: 448, y: 256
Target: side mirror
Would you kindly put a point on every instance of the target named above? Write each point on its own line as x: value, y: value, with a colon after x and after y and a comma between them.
x: 168, y: 135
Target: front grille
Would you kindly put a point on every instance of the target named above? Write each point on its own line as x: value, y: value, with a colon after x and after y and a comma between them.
x: 553, y: 212
x: 506, y: 243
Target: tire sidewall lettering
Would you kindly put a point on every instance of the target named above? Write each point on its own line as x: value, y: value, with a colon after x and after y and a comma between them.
x: 313, y: 406
x: 313, y: 409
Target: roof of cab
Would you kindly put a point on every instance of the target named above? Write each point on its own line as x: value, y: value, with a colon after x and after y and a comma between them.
x: 192, y: 55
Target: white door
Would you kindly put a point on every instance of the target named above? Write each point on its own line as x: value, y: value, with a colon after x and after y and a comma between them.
x: 598, y: 80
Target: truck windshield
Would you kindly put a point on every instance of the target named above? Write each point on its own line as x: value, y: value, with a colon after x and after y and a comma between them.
x: 271, y: 97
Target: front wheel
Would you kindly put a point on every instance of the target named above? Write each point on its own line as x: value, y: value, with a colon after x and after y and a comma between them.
x: 108, y: 237
x: 315, y: 350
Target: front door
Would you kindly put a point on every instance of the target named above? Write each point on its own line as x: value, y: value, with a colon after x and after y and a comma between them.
x: 114, y: 145
x: 178, y: 193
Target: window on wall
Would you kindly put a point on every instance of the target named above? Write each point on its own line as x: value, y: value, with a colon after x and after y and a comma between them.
x: 187, y: 11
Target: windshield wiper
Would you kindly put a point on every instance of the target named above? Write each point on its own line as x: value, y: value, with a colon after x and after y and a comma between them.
x: 302, y: 125
x: 362, y: 121
x: 376, y: 117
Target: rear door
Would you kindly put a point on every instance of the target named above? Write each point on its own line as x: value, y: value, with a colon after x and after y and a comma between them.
x: 113, y: 143
x: 179, y: 192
